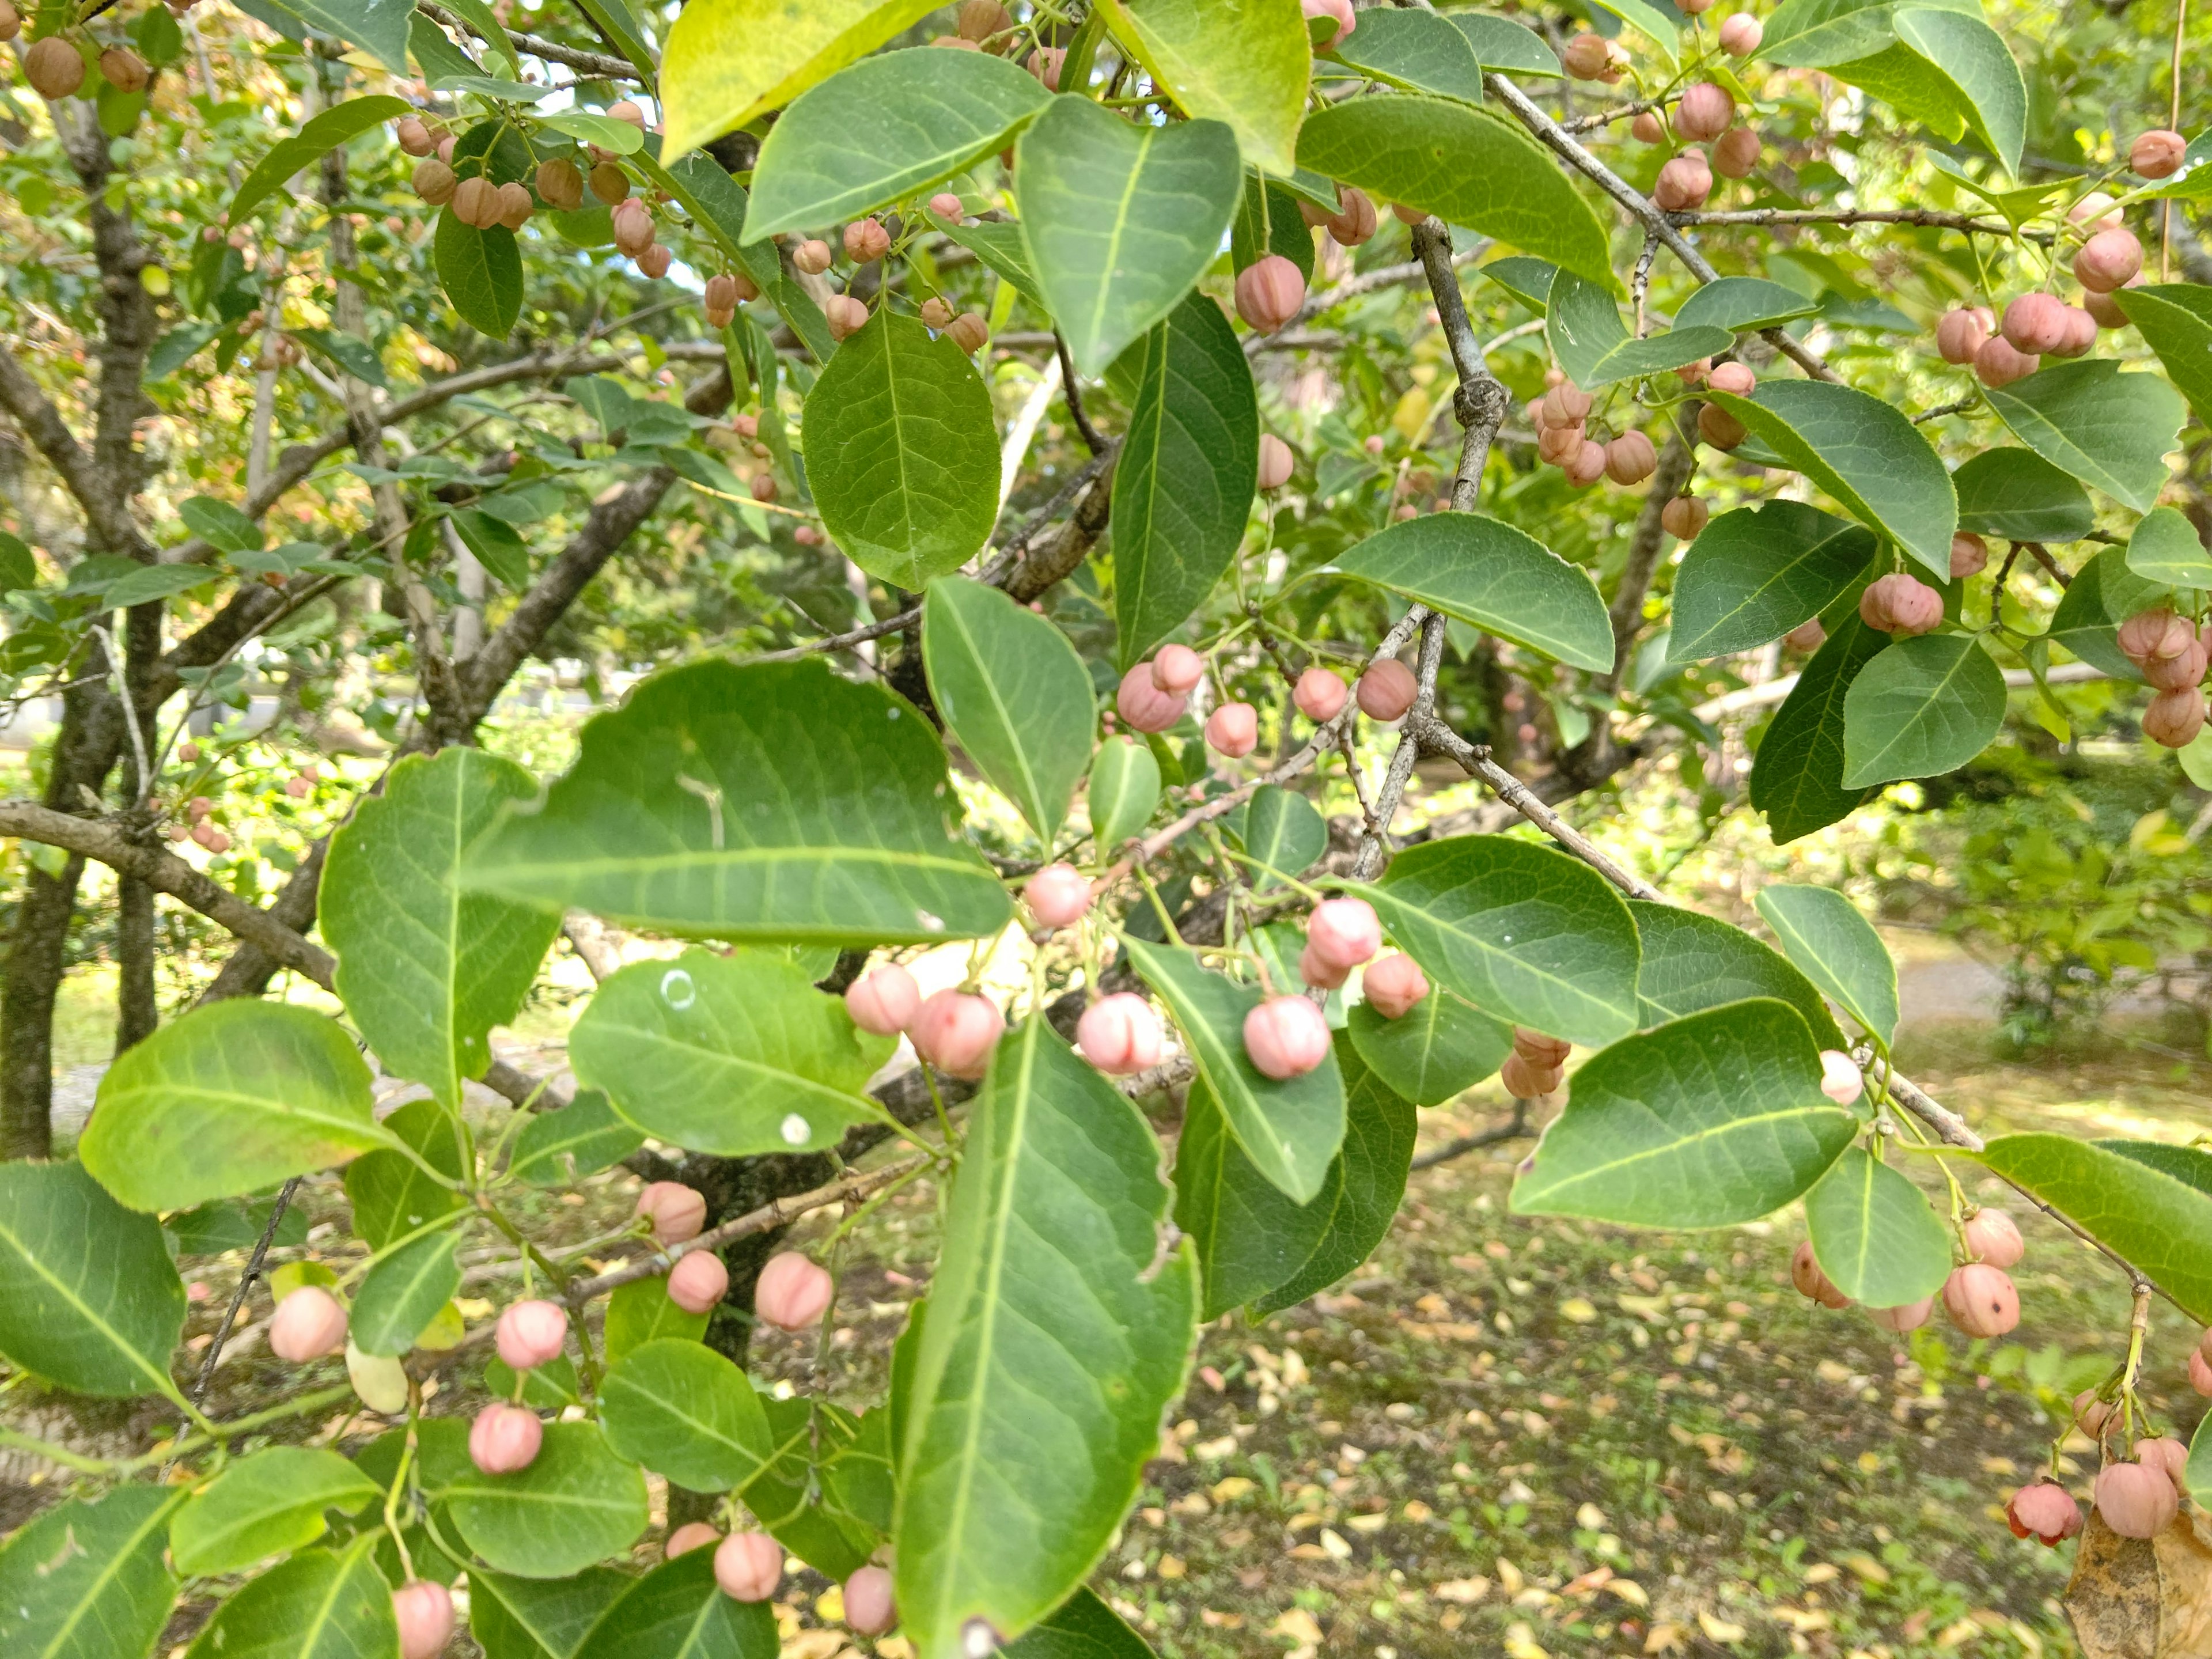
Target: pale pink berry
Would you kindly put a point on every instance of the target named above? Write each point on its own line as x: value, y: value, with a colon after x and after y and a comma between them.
x: 309, y: 1324
x: 1587, y: 57
x: 1346, y: 20
x: 1910, y: 1316
x: 2108, y: 260
x: 1993, y: 1236
x: 884, y: 1002
x: 1320, y: 694
x: 1319, y: 972
x: 691, y: 1536
x: 2105, y: 309
x: 2093, y: 213
x: 1630, y: 459
x: 945, y: 205
x: 1981, y: 1299
x: 1387, y: 690
x: 956, y: 1033
x: 1269, y: 292
x: 1684, y: 183
x: 423, y: 1610
x: 1805, y: 1273
x: 1807, y: 636
x: 1565, y: 405
x: 1177, y: 670
x: 2091, y: 1413
x: 1353, y: 224
x: 2167, y: 1454
x: 969, y: 331
x: 531, y: 1333
x: 2081, y: 334
x: 867, y: 241
x: 1143, y: 706
x: 794, y: 1292
x: 1996, y: 362
x: 1900, y: 604
x: 1233, y: 730
x: 2155, y: 636
x: 1739, y: 35
x: 1558, y: 445
x: 1736, y: 378
x: 1046, y: 64
x: 1394, y: 986
x: 2200, y: 1372
x: 2134, y: 1500
x: 1707, y: 111
x: 1277, y: 463
x: 2175, y: 718
x: 846, y: 315
x: 749, y: 1566
x: 1344, y: 932
x: 1120, y: 1034
x: 1684, y: 517
x: 1587, y: 466
x: 1736, y: 153
x: 675, y: 1211
x: 2045, y: 1512
x: 505, y: 1438
x: 2157, y: 153
x: 1959, y: 333
x: 1840, y: 1079
x: 869, y: 1608
x: 698, y: 1281
x: 1057, y: 894
x: 1970, y: 556
x: 1286, y: 1037
x: 2036, y: 322
x: 812, y: 256
x: 1647, y: 128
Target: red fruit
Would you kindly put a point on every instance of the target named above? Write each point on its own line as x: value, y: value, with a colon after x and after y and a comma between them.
x: 2200, y: 1372
x: 792, y: 1292
x: 1286, y: 1037
x: 1120, y: 1034
x: 1320, y: 694
x: 309, y: 1324
x: 1684, y: 516
x: 2157, y: 153
x: 1736, y: 154
x: 1718, y: 428
x: 423, y: 1610
x: 1806, y: 1275
x: 1046, y: 64
x: 698, y: 1281
x: 1586, y: 465
x: 1706, y: 110
x: 867, y: 241
x: 1346, y: 20
x: 1960, y: 332
x: 1981, y: 1300
x: 1233, y: 730
x: 609, y: 183
x: 2044, y: 1511
x: 1910, y: 1317
x: 505, y: 1438
x: 1269, y: 292
x: 54, y: 67
x: 2108, y: 260
x: 869, y: 1608
x: 1143, y: 706
x: 1394, y: 986
x: 885, y: 1001
x: 675, y: 1212
x: 1586, y: 58
x: 969, y: 331
x: 749, y: 1566
x: 1344, y: 932
x: 1565, y: 405
x: 1807, y: 636
x: 2175, y: 718
x: 1277, y: 463
x: 812, y: 256
x: 1684, y: 183
x: 2134, y: 1500
x: 1970, y: 556
x: 1998, y: 363
x: 2036, y: 322
x: 955, y: 1032
x: 531, y: 1333
x: 1387, y: 690
x: 1057, y: 894
x: 1840, y: 1079
x: 1647, y: 128
x: 691, y: 1536
x: 946, y: 205
x: 1739, y: 35
x: 1524, y: 1079
x: 1630, y: 459
x: 846, y: 315
x: 1994, y: 1238
x: 1177, y: 668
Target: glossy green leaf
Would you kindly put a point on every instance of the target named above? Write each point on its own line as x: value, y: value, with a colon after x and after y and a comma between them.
x: 1290, y: 1130
x: 231, y: 1097
x: 1753, y: 574
x: 1417, y: 51
x: 1281, y: 830
x: 2156, y: 1220
x: 1464, y: 166
x: 1523, y: 932
x: 575, y: 1504
x: 685, y: 1412
x: 1816, y: 33
x: 481, y: 271
x: 92, y: 1302
x: 730, y: 61
x: 2111, y: 430
x: 557, y: 1148
x: 2175, y: 320
x: 2016, y: 494
x: 377, y: 26
x: 425, y: 970
x: 794, y: 1496
x: 1797, y: 776
x: 391, y: 1194
x: 1503, y: 44
x: 269, y: 1504
x: 515, y: 1618
x: 1123, y: 794
x: 1189, y: 464
x: 603, y: 130
x: 234, y: 1224
x: 2103, y: 594
x: 884, y: 128
x: 323, y: 1604
x: 1864, y: 452
x: 1014, y: 694
x: 2164, y: 548
x: 1692, y: 962
x: 641, y: 1312
x: 677, y: 1611
x: 901, y: 452
x: 1837, y: 948
x: 771, y: 802
x: 497, y: 545
x: 1120, y: 219
x: 1436, y: 1050
x: 1502, y: 579
x: 1739, y: 303
x: 339, y: 124
x: 403, y: 1293
x: 85, y: 1579
x: 1529, y: 280
x: 1242, y: 63
x: 1712, y: 1120
x: 999, y: 245
x: 1874, y: 1234
x: 1581, y: 323
x: 1057, y: 1317
x: 1081, y: 1627
x: 1924, y: 707
x: 1660, y: 28
x: 1984, y: 81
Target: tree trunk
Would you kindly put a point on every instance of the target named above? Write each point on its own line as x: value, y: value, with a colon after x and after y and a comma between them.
x: 136, y: 1012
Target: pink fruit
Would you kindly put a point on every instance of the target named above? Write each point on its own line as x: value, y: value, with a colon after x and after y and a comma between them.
x: 884, y: 1002
x: 1046, y: 64
x: 1707, y: 111
x: 749, y: 1566
x: 1057, y: 894
x: 1340, y: 10
x: 1120, y: 1034
x: 309, y: 1324
x: 1736, y: 378
x: 1527, y: 1079
x: 1807, y: 636
x: 423, y: 1610
x: 505, y: 1438
x: 1736, y: 154
x: 1394, y: 986
x: 2093, y: 213
x: 691, y: 1536
x: 2036, y: 322
x: 698, y: 1282
x: 531, y: 1333
x: 1898, y: 603
x: 1586, y: 57
x: 1910, y: 1317
x: 1647, y: 128
x: 2200, y: 1372
x: 1559, y: 445
x: 1684, y: 517
x: 2105, y: 309
x: 1277, y: 463
x: 1630, y: 459
x: 2167, y: 1456
x: 969, y: 331
x: 1587, y: 465
x: 2044, y: 1511
x: 1387, y: 690
x: 1960, y: 332
x: 1344, y: 932
x: 414, y: 137
x: 1233, y: 730
x: 1354, y: 221
x: 1718, y: 428
x: 1539, y: 1050
x: 812, y: 256
x: 792, y: 1292
x: 1318, y: 972
x: 1684, y: 183
x: 867, y: 241
x: 1269, y: 292
x: 2136, y: 1501
x: 1177, y: 670
x: 1998, y: 363
x: 1565, y: 405
x: 2175, y: 718
x: 2081, y: 334
x: 2157, y: 153
x: 1739, y: 35
x: 1811, y: 1282
x: 869, y: 1608
x: 1981, y: 1300
x: 1970, y: 556
x: 1840, y: 1077
x: 937, y: 314
x: 2108, y: 260
x: 1143, y: 706
x: 1993, y: 1236
x: 633, y: 225
x: 945, y: 205
x: 1695, y: 374
x: 1286, y: 1037
x: 675, y: 1211
x: 956, y: 1033
x: 2155, y: 636
x: 846, y: 315
x: 1320, y: 694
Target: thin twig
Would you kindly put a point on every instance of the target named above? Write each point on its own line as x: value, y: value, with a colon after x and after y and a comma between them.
x: 1465, y: 1144
x: 244, y: 1284
x: 1091, y: 440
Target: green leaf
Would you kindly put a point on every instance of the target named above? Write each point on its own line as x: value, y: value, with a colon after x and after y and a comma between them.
x: 179, y: 347
x: 497, y: 545
x: 2165, y: 547
x: 481, y: 271
x: 378, y: 27
x: 231, y: 1097
x: 1838, y: 949
x: 1059, y: 1318
x: 1924, y: 707
x: 340, y: 125
x: 515, y: 1618
x: 391, y: 1194
x: 1242, y: 63
x: 1693, y: 962
x: 575, y: 1504
x: 728, y: 1055
x: 1189, y: 462
x: 427, y: 970
x: 1797, y: 777
x: 1281, y: 830
x: 1502, y: 579
x: 775, y: 802
x: 1417, y: 51
x: 1816, y: 33
x: 686, y: 1413
x: 641, y: 1312
x: 1657, y: 26
x: 232, y: 1223
x: 792, y: 1495
x: 324, y: 1604
x: 1290, y: 1129
x: 1000, y: 247
x: 1529, y: 280
x: 1464, y: 166
x: 2175, y: 320
x: 1439, y: 1048
x: 1874, y: 1234
x: 1979, y: 73
x: 1863, y: 452
x: 2160, y: 1223
x: 730, y: 61
x: 900, y: 451
x: 1581, y: 323
x: 270, y: 1503
x: 1712, y: 1120
x: 2109, y: 429
x: 220, y: 524
x: 1255, y: 1245
x: 1753, y: 574
x: 150, y: 583
x: 558, y: 1148
x: 1502, y: 43
x: 677, y: 1611
x: 403, y: 1293
x: 1120, y: 219
x: 1014, y: 694
x: 2016, y: 494
x: 1081, y: 1627
x: 1739, y: 303
x: 1268, y: 221
x: 86, y: 1580
x: 604, y: 131
x: 355, y: 356
x: 2103, y: 594
x: 1523, y: 932
x: 1123, y: 794
x: 718, y: 204
x: 485, y: 22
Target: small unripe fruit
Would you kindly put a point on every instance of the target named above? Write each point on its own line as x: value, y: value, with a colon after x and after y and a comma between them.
x: 512, y: 206
x: 1959, y: 333
x: 2045, y: 1512
x: 1706, y: 110
x: 2035, y: 323
x: 969, y: 331
x: 885, y: 1001
x: 812, y: 256
x: 54, y: 68
x: 937, y: 314
x: 434, y: 182
x: 531, y: 1333
x: 1736, y: 153
x: 1177, y: 668
x: 955, y: 1032
x: 2175, y: 718
x: 698, y: 1282
x: 309, y: 1324
x: 1684, y: 517
x: 1805, y: 1273
x: 1733, y: 378
x: 124, y: 70
x: 1524, y: 1079
x: 560, y: 185
x: 2108, y: 260
x: 1684, y: 184
x: 1970, y: 556
x: 1354, y: 221
x: 1339, y: 11
x: 1286, y: 1037
x: 2091, y: 1413
x: 1739, y: 35
x: 1994, y: 1238
x: 869, y: 1608
x: 792, y: 1292
x: 1900, y: 604
x: 1320, y: 694
x: 1046, y: 64
x: 1840, y: 1079
x: 675, y: 1212
x: 1807, y: 636
x: 1394, y: 986
x: 1120, y: 1034
x: 2177, y: 673
x: 749, y: 1566
x: 654, y: 263
x: 1233, y: 730
x: 979, y: 19
x: 846, y: 315
x: 423, y: 1610
x: 691, y: 1536
x: 1647, y: 128
x: 945, y: 205
x: 867, y: 241
x: 1717, y: 427
x: 1909, y: 1318
x: 1344, y: 932
x: 1269, y: 292
x: 2157, y: 153
x: 1277, y: 463
x: 1586, y: 58
x: 1998, y: 362
x: 1057, y: 894
x: 1565, y: 405
x: 505, y: 1438
x: 1387, y: 690
x: 2167, y: 1454
x: 11, y: 21
x: 1143, y: 706
x: 2155, y: 636
x: 610, y: 184
x: 2136, y: 1501
x: 1630, y: 459
x: 1981, y: 1299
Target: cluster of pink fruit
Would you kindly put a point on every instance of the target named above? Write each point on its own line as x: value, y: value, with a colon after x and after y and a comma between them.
x: 1979, y: 1296
x: 2172, y: 655
x: 1706, y: 113
x: 201, y: 810
x: 1559, y: 416
x: 2137, y: 1497
x: 953, y: 1031
x: 749, y: 1567
x: 1537, y: 1065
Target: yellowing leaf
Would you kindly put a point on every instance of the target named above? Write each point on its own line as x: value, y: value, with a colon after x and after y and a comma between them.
x: 1719, y: 1629
x: 1242, y: 62
x: 1578, y: 1309
x: 729, y: 61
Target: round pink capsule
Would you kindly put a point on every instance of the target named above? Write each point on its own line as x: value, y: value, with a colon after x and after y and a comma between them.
x: 869, y: 1608
x: 1394, y: 986
x: 423, y: 1610
x: 885, y: 1001
x: 792, y: 1292
x: 1910, y: 1316
x: 1387, y: 690
x: 309, y: 1324
x: 1057, y: 895
x: 675, y: 1211
x: 698, y: 1281
x: 1997, y: 362
x: 1319, y: 972
x: 1344, y: 932
x: 1143, y: 706
x: 1233, y: 730
x: 691, y: 1536
x: 505, y: 1438
x: 2036, y: 322
x: 749, y: 1566
x: 1320, y: 694
x: 1840, y: 1079
x: 955, y: 1032
x: 1959, y: 333
x: 1994, y: 1237
x: 1277, y: 462
x: 1286, y: 1037
x: 531, y: 1333
x: 1120, y: 1034
x: 1177, y: 670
